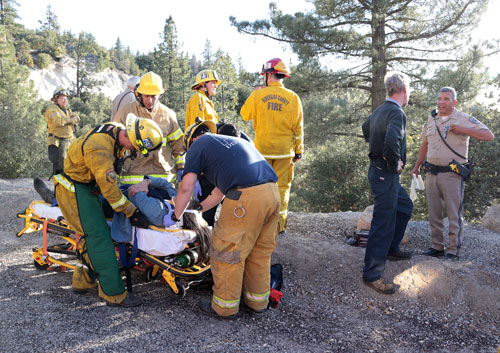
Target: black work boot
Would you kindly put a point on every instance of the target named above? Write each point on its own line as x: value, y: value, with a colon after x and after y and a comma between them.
x: 43, y: 190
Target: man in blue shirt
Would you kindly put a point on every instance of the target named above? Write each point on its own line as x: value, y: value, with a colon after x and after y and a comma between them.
x: 244, y: 236
x: 385, y: 130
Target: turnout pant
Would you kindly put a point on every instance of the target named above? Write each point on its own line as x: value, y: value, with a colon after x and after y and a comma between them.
x: 82, y: 209
x: 243, y: 240
x: 284, y: 169
x: 391, y: 213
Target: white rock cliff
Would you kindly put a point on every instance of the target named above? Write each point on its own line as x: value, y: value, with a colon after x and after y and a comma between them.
x: 63, y: 74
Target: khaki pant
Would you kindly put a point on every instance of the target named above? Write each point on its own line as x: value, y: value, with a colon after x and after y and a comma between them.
x: 284, y: 169
x: 243, y: 240
x: 445, y: 190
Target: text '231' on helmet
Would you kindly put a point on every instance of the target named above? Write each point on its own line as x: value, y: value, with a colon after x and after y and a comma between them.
x: 144, y: 134
x: 150, y: 84
x: 275, y: 66
x: 195, y: 129
x: 206, y: 76
x: 59, y: 91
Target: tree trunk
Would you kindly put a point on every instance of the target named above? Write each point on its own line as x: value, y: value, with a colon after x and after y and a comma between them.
x: 379, y: 64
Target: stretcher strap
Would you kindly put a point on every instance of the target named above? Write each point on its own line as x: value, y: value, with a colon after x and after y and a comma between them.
x: 128, y: 262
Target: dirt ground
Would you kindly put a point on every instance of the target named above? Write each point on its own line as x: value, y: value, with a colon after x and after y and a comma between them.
x: 441, y: 306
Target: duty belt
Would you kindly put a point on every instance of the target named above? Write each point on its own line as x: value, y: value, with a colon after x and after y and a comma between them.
x: 435, y: 169
x: 234, y: 194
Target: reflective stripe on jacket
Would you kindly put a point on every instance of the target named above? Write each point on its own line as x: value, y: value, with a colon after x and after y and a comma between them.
x: 93, y: 162
x: 60, y: 123
x: 160, y: 162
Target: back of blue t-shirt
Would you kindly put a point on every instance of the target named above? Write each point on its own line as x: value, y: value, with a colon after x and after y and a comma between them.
x: 228, y: 161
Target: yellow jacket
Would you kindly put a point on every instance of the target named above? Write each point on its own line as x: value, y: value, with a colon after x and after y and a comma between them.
x: 90, y: 159
x: 160, y: 163
x: 277, y: 120
x: 60, y: 123
x: 200, y: 105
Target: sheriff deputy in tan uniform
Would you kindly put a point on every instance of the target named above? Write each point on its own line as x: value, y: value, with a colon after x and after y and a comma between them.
x: 168, y: 161
x: 443, y: 186
x: 277, y: 119
x: 61, y: 122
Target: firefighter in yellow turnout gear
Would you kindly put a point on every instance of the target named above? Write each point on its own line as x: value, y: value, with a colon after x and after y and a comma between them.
x: 277, y: 119
x: 168, y: 161
x: 90, y: 170
x: 244, y: 236
x: 61, y: 122
x: 200, y: 104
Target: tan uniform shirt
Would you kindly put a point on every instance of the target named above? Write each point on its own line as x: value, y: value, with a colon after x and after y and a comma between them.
x: 60, y: 123
x: 438, y: 153
x: 160, y: 163
x: 124, y: 98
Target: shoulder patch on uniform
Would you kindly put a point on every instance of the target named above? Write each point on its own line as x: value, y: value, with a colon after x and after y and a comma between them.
x: 474, y: 120
x: 111, y: 176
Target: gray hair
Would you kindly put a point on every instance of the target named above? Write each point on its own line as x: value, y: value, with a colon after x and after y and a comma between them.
x: 133, y: 81
x: 395, y: 82
x: 450, y: 90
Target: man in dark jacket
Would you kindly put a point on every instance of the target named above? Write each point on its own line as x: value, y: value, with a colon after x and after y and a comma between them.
x: 385, y: 130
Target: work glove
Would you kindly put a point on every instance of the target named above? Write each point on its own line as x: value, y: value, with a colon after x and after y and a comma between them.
x: 138, y: 219
x: 197, y: 191
x: 179, y: 174
x: 168, y: 221
x: 297, y: 157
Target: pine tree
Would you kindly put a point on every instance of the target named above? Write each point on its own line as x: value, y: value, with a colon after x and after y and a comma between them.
x: 370, y: 37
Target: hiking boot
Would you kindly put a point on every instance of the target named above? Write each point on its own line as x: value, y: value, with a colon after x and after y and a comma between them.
x: 380, y: 286
x: 398, y: 256
x: 129, y: 301
x: 43, y: 190
x: 433, y: 252
x: 451, y: 257
x: 205, y: 306
x: 282, y: 232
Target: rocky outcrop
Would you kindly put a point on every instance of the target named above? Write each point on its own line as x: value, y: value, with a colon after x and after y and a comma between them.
x: 63, y: 74
x: 491, y: 219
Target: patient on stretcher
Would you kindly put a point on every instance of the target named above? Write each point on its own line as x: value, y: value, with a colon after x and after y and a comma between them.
x: 153, y: 197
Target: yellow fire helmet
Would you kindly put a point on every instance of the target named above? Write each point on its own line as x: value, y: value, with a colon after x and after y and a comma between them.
x: 191, y: 130
x: 144, y: 134
x: 59, y: 91
x: 150, y: 84
x: 206, y: 76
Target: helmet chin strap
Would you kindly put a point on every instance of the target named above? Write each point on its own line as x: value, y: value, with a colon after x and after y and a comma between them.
x: 206, y: 91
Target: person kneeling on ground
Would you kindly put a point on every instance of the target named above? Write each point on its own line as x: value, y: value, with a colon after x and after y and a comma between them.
x: 90, y: 169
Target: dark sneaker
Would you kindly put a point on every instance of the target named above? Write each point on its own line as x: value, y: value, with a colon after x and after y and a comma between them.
x: 398, y: 256
x: 380, y: 286
x: 129, y: 301
x: 205, y: 306
x: 452, y: 257
x: 433, y: 252
x: 282, y: 232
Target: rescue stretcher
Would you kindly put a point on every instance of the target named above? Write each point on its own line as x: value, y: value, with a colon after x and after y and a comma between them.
x: 171, y: 253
